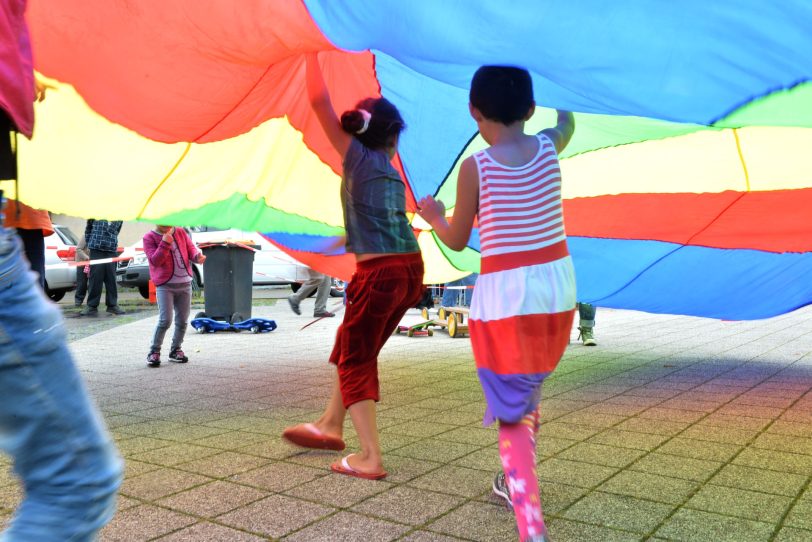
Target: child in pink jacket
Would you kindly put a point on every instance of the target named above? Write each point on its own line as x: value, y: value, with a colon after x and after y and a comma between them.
x: 170, y: 252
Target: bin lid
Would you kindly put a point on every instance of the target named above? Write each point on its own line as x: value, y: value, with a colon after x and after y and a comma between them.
x: 230, y: 243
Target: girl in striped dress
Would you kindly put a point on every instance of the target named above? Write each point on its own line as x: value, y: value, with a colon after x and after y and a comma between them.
x: 524, y: 300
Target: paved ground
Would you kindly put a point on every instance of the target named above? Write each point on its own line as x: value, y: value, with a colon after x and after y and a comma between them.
x: 672, y: 428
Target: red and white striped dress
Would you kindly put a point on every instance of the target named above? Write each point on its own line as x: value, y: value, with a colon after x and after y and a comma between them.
x: 523, y: 304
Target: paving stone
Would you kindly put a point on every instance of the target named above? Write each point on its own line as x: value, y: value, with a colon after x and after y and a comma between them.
x: 740, y: 503
x: 554, y: 497
x: 338, y: 491
x: 479, y: 522
x: 629, y: 439
x: 418, y: 429
x: 275, y: 516
x: 765, y: 481
x: 692, y: 525
x: 801, y: 515
x: 676, y: 467
x: 349, y: 527
x: 567, y: 431
x: 563, y: 529
x: 655, y: 427
x: 209, y: 532
x: 436, y: 450
x: 795, y: 429
x: 600, y: 454
x: 574, y: 473
x: 791, y: 534
x: 427, y: 536
x: 619, y: 512
x: 775, y: 460
x: 697, y: 449
x: 784, y: 443
x: 160, y: 483
x: 231, y: 440
x: 649, y: 486
x: 223, y: 464
x: 726, y: 435
x: 409, y: 505
x: 279, y: 476
x: 143, y: 523
x: 173, y: 455
x: 456, y: 481
x: 479, y: 436
x: 212, y: 499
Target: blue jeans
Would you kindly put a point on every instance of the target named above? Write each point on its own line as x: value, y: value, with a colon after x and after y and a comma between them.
x: 587, y: 314
x: 459, y: 298
x: 62, y: 453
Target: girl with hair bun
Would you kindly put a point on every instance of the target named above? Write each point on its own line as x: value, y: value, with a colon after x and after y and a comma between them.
x: 388, y: 279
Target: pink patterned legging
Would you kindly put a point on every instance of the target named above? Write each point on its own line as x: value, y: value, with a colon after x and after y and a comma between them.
x: 517, y: 449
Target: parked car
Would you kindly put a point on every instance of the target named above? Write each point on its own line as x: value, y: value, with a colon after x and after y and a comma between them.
x: 60, y: 247
x: 272, y: 266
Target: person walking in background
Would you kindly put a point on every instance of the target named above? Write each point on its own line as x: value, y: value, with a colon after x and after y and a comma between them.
x: 82, y: 272
x: 63, y: 455
x: 316, y: 281
x: 586, y: 312
x: 524, y: 301
x: 102, y: 241
x: 170, y: 253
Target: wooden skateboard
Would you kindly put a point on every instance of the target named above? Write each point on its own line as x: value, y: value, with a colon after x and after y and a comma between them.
x: 417, y: 330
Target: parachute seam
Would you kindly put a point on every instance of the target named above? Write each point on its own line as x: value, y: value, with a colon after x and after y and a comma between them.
x: 741, y: 158
x: 166, y: 178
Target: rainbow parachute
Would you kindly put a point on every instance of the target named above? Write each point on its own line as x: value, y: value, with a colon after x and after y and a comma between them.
x: 688, y: 185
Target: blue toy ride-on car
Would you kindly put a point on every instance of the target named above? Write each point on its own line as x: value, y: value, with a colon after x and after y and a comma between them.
x: 254, y: 325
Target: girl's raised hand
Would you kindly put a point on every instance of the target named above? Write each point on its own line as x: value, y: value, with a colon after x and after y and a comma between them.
x: 430, y: 209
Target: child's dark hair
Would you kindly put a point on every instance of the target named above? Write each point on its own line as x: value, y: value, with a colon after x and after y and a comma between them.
x: 502, y: 93
x: 383, y: 127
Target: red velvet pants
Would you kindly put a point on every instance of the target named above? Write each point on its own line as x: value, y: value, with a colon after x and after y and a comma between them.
x: 379, y: 294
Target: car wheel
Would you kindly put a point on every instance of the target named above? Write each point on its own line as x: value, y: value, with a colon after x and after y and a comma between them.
x: 144, y: 291
x: 294, y: 287
x: 254, y: 329
x: 201, y: 329
x: 55, y: 295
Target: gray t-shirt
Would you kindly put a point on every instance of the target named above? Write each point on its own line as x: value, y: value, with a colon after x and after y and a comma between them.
x: 373, y: 198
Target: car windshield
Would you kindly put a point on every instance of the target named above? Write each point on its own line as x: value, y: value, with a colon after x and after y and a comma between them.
x: 66, y: 235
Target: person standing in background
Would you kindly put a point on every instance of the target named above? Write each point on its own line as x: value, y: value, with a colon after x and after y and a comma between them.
x: 102, y: 241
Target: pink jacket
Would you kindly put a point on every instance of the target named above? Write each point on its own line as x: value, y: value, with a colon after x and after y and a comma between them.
x: 16, y: 67
x: 159, y: 255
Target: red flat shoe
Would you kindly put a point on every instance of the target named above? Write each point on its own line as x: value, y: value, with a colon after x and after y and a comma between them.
x: 343, y: 467
x: 308, y: 435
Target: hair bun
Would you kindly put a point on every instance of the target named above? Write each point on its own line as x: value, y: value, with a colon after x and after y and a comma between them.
x: 352, y: 121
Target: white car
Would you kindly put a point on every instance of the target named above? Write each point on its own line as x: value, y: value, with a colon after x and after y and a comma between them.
x: 272, y: 266
x: 60, y: 247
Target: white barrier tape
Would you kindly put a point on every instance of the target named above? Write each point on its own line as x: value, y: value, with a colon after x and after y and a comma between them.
x: 67, y: 265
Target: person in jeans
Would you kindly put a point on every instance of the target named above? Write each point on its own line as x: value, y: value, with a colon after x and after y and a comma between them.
x: 454, y: 297
x: 67, y: 463
x: 102, y: 241
x: 315, y: 281
x: 586, y: 312
x: 170, y: 252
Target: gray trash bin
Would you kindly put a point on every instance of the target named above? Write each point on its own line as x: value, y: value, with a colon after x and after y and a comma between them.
x: 227, y: 281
